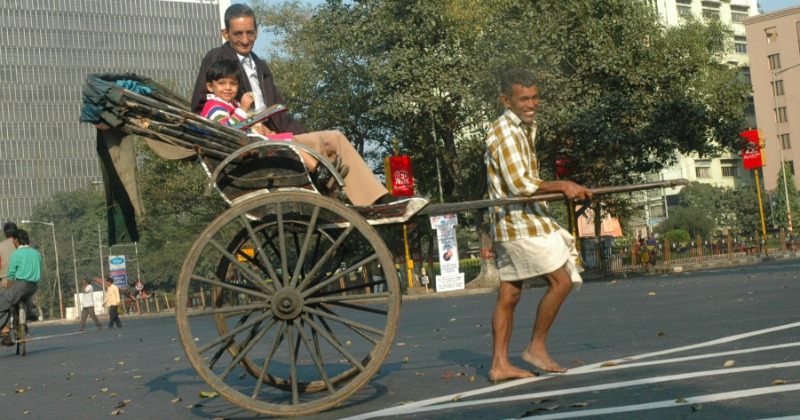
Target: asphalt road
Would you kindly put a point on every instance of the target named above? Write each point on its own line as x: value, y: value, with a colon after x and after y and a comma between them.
x: 713, y: 344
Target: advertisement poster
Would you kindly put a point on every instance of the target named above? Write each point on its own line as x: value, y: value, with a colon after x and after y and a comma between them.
x: 399, y: 177
x: 117, y: 271
x: 752, y: 157
x: 450, y: 278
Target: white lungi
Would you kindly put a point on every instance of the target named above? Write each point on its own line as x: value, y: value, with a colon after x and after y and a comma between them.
x: 534, y: 256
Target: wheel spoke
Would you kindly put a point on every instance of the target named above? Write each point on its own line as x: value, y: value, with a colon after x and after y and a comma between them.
x: 337, y: 276
x: 301, y: 253
x: 262, y: 256
x: 355, y: 330
x: 344, y: 321
x: 282, y: 246
x: 340, y: 302
x: 324, y: 334
x: 252, y: 277
x: 316, y: 356
x: 222, y: 348
x: 234, y: 331
x: 292, y: 364
x: 251, y: 341
x: 325, y: 257
x: 230, y: 286
x: 228, y: 310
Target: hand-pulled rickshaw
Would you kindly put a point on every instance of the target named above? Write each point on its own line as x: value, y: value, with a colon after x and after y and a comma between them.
x: 271, y: 308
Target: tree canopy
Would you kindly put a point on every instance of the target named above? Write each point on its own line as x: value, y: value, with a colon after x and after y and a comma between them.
x: 622, y: 94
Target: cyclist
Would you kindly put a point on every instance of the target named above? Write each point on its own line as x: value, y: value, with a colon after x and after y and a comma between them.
x: 25, y: 268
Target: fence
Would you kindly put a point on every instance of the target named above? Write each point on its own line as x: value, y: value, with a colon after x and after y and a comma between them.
x: 635, y: 256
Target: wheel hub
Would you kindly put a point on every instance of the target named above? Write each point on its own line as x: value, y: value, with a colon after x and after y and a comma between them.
x: 287, y: 303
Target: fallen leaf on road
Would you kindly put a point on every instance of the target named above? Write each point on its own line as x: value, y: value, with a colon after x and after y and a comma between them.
x: 177, y: 358
x: 26, y: 412
x: 447, y: 375
x: 452, y: 319
x: 113, y: 394
x: 661, y: 334
x: 730, y: 363
x: 580, y: 404
x: 91, y: 397
x: 405, y: 359
x: 609, y: 364
x: 19, y: 391
x: 651, y: 293
x: 457, y: 397
x: 697, y: 407
x: 348, y: 342
x: 681, y: 400
x: 120, y: 363
x: 208, y: 394
x: 401, y: 344
x: 472, y: 378
x: 179, y: 399
x: 577, y: 363
x: 137, y: 376
x: 103, y: 389
x: 419, y: 373
x: 117, y: 412
x: 779, y: 382
x: 68, y: 395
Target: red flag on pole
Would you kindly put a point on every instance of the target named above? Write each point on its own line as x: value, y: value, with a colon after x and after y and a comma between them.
x: 399, y: 178
x: 752, y: 156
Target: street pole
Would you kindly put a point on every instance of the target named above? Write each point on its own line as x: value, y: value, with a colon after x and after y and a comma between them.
x: 780, y: 146
x: 102, y: 269
x: 58, y: 271
x: 75, y: 270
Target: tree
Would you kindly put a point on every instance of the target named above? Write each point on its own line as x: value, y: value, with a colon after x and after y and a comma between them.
x: 622, y: 94
x: 692, y: 219
x: 794, y: 198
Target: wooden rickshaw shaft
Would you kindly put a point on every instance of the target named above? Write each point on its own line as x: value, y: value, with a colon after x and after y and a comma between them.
x: 442, y: 208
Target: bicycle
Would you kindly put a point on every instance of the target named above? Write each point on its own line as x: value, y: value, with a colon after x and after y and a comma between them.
x: 18, y: 326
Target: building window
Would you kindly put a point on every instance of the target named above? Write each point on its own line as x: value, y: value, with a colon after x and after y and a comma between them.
x: 738, y: 16
x: 685, y: 12
x: 777, y: 88
x: 744, y: 74
x: 781, y: 115
x: 774, y: 61
x: 730, y: 171
x: 711, y: 15
x: 740, y: 47
x: 772, y: 35
x: 657, y: 211
x: 703, y: 172
x: 786, y: 143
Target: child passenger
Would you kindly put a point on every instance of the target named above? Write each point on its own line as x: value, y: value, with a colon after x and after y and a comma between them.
x: 222, y: 81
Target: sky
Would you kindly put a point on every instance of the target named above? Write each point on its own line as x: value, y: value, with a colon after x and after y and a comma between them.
x: 771, y: 5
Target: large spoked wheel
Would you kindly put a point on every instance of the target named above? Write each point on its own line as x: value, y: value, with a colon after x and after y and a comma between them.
x: 288, y: 303
x: 20, y: 328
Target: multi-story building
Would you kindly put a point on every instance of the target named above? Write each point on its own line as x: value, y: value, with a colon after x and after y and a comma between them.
x: 722, y: 171
x: 772, y: 42
x: 47, y: 47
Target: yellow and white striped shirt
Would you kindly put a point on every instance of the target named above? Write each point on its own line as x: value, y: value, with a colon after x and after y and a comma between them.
x: 512, y: 170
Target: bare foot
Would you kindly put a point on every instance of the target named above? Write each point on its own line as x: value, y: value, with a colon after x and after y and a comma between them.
x: 543, y: 361
x: 503, y: 373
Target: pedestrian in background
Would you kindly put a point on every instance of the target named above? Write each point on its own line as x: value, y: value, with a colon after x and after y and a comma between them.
x: 112, y: 302
x: 87, y: 305
x: 6, y: 248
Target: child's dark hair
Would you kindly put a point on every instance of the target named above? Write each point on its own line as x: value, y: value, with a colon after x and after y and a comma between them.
x: 223, y: 68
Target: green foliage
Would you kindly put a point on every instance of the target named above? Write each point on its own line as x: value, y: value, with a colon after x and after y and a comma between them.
x: 621, y: 93
x: 677, y: 236
x: 695, y: 220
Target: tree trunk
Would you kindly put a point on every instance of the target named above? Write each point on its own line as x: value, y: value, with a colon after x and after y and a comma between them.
x: 488, y: 277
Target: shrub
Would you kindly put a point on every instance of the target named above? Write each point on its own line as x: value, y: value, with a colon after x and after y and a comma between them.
x: 678, y: 236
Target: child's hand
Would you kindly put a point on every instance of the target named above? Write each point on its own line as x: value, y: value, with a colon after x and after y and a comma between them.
x: 247, y: 101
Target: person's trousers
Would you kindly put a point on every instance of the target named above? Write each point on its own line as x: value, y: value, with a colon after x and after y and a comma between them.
x: 20, y: 290
x: 361, y: 185
x: 113, y: 317
x: 89, y: 312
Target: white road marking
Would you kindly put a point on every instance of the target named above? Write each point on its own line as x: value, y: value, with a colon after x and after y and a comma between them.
x: 722, y: 396
x: 406, y: 409
x: 425, y: 405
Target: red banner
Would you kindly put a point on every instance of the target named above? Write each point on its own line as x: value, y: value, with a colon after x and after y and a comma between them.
x: 399, y: 178
x: 751, y: 154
